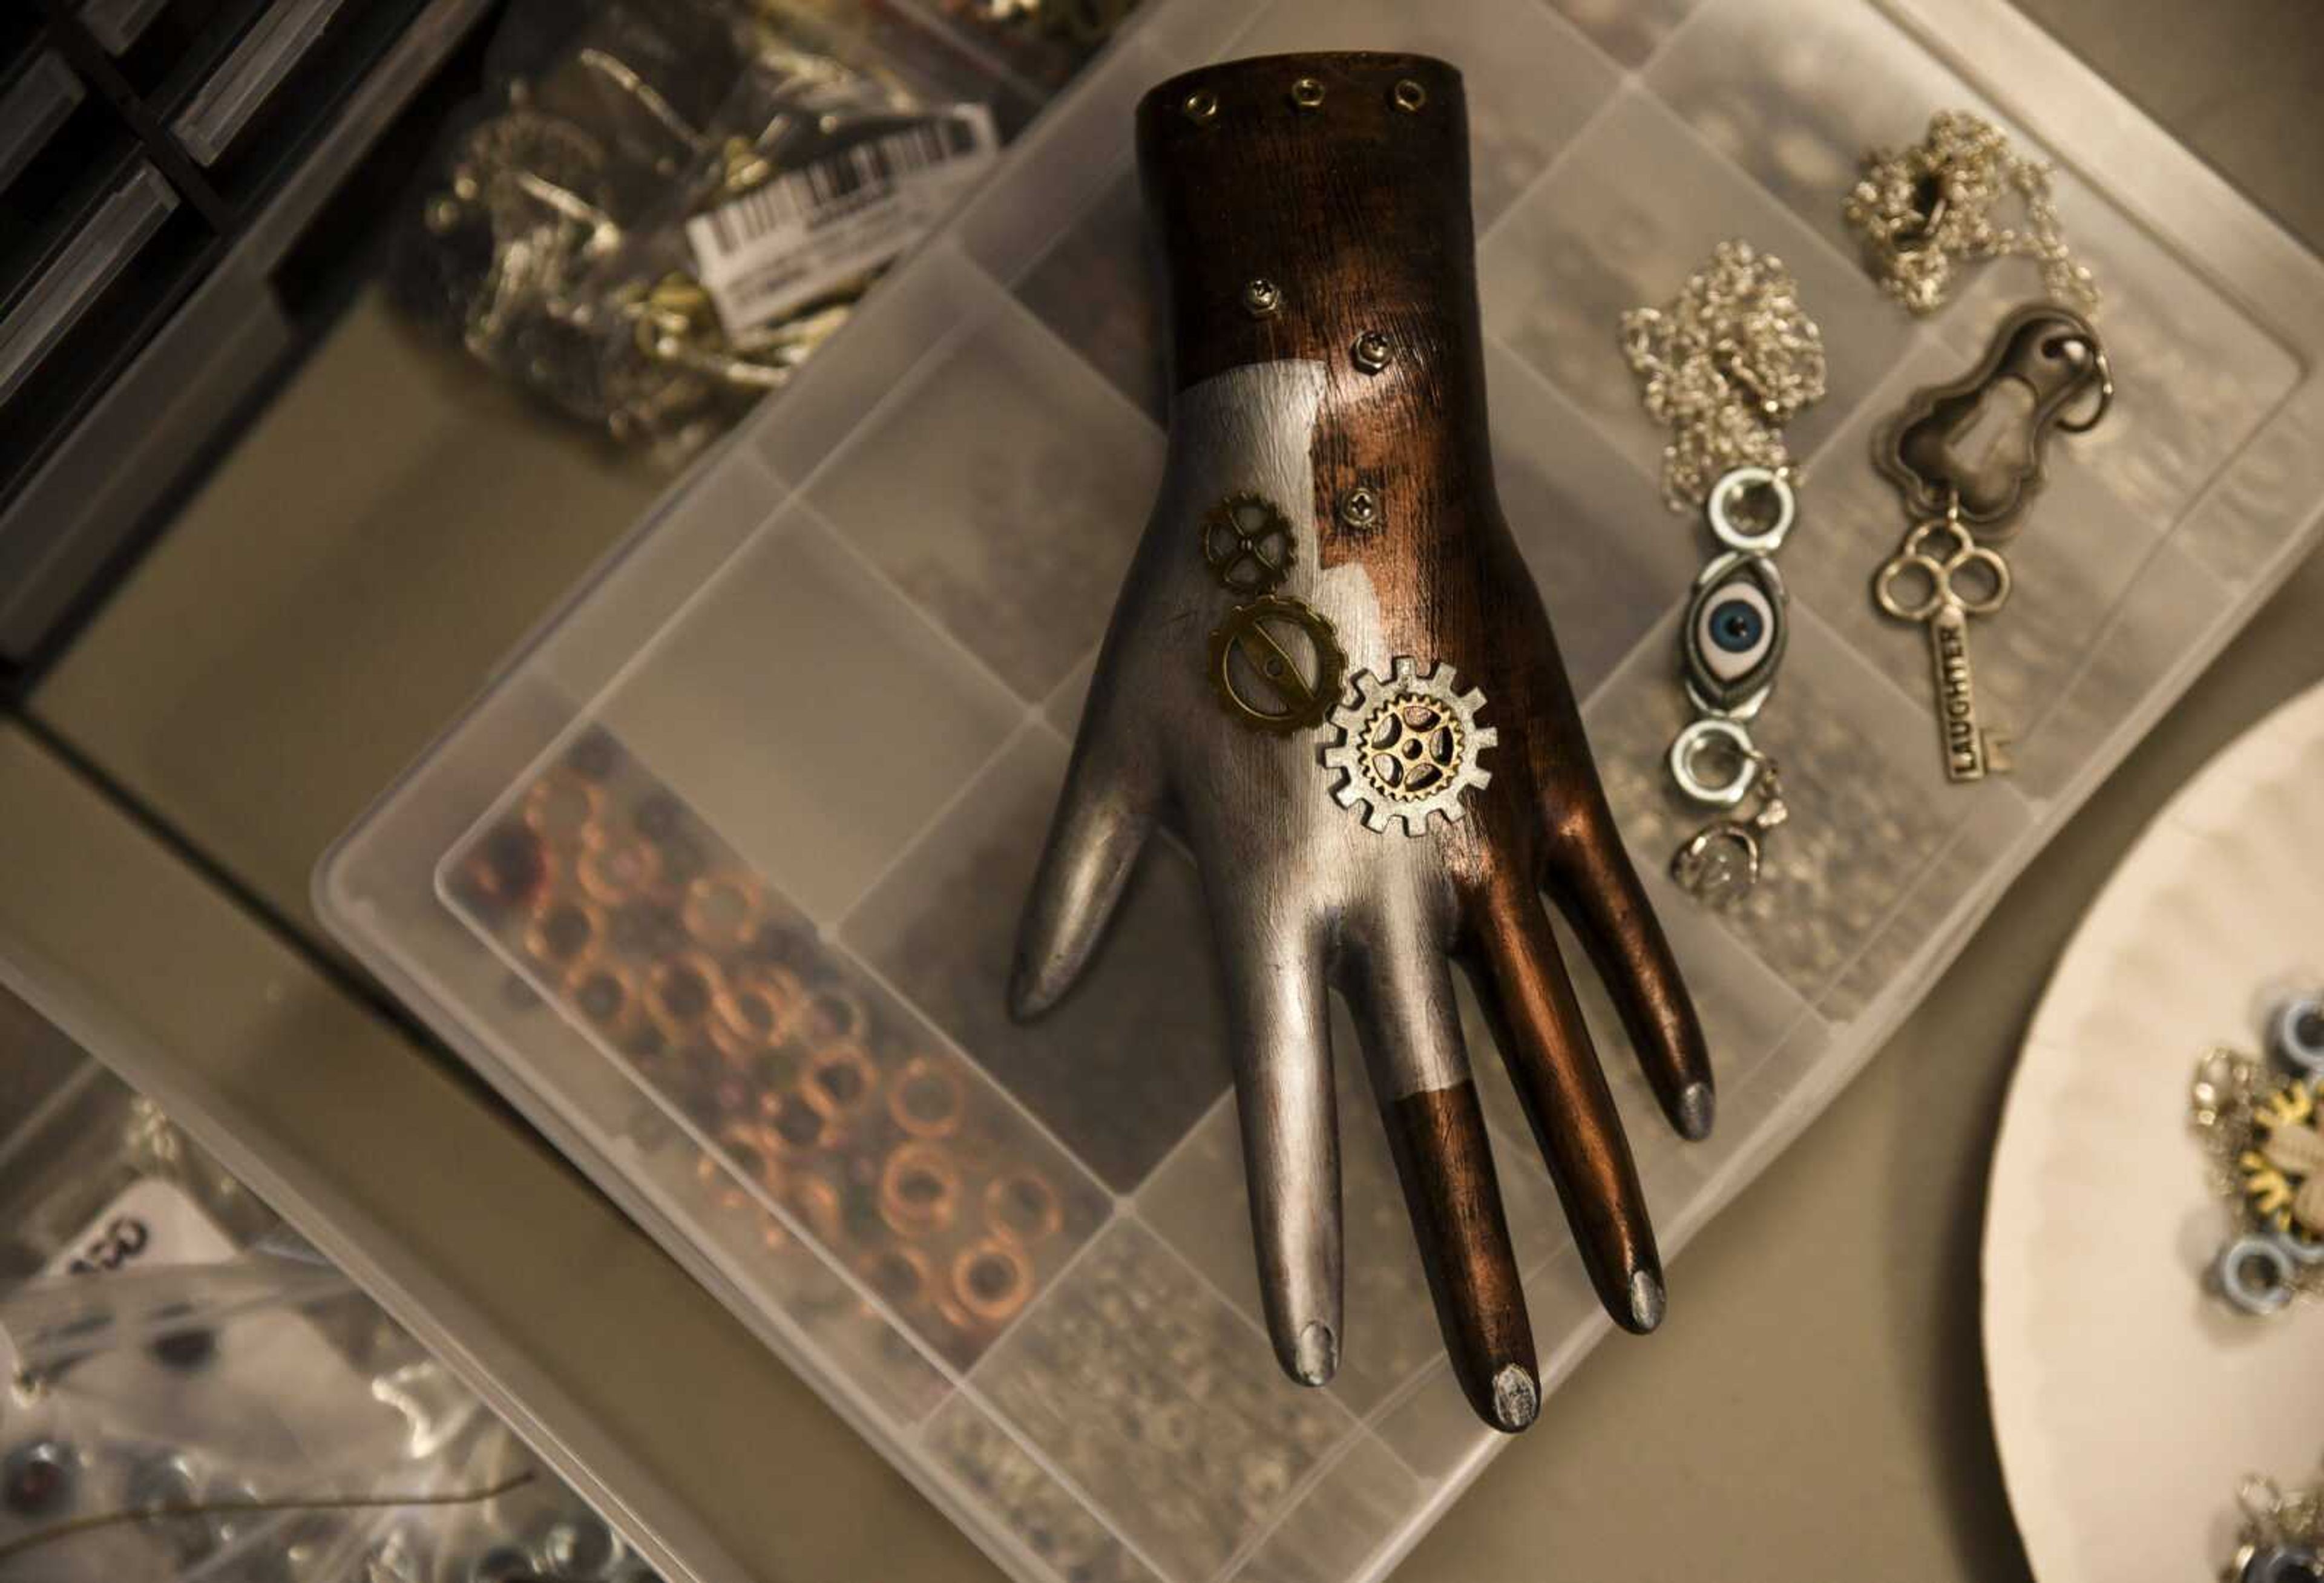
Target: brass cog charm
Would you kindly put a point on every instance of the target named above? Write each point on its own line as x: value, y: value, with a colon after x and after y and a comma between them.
x: 2264, y: 1133
x: 2283, y: 1170
x: 1408, y: 746
x: 1277, y: 665
x: 1247, y: 543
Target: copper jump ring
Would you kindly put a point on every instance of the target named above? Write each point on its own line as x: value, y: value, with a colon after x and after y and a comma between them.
x: 722, y: 911
x: 920, y: 1190
x: 926, y: 1098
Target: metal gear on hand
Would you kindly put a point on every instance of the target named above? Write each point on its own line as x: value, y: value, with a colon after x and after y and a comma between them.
x: 1248, y: 543
x: 1408, y: 746
x: 1276, y: 665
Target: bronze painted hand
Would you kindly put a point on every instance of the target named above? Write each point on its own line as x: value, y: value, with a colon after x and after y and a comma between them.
x: 1329, y: 668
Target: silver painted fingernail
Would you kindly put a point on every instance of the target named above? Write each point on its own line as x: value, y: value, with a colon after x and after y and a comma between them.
x: 1317, y: 1355
x: 1517, y: 1399
x: 1697, y: 1107
x: 1645, y: 1300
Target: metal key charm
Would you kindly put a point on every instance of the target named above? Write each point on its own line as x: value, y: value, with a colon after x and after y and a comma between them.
x: 1923, y: 582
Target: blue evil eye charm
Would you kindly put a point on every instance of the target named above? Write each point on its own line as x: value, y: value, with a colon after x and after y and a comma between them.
x: 1734, y: 634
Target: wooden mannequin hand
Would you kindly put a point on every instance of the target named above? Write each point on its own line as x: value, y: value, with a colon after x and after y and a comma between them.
x: 1329, y: 669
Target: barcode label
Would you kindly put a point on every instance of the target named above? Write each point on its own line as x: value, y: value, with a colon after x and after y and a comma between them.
x: 806, y: 234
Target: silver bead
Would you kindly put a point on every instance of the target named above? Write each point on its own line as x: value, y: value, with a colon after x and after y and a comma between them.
x: 2281, y: 1563
x: 1201, y: 106
x: 2297, y: 1032
x: 2254, y: 1275
x: 579, y: 1545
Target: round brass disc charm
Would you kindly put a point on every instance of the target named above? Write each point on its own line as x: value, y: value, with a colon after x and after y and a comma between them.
x: 1276, y: 664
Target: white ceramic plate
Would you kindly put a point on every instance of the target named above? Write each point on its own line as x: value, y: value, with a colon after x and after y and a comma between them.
x: 2129, y: 1405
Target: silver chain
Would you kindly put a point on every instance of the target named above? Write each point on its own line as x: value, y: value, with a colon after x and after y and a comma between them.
x: 1724, y: 366
x: 1918, y: 209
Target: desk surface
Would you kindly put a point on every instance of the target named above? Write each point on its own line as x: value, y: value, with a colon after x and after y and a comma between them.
x: 1814, y: 1407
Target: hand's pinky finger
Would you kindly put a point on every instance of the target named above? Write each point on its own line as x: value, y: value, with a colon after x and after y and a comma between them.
x: 1594, y: 882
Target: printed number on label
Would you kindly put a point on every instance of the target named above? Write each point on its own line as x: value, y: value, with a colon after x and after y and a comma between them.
x: 123, y: 1237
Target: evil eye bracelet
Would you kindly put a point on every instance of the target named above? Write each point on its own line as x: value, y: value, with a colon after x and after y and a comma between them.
x: 1725, y: 365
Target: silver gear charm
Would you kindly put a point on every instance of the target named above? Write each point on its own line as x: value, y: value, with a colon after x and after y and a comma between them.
x: 1408, y: 746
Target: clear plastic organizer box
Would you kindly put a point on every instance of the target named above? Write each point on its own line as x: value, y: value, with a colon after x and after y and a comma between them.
x: 718, y: 880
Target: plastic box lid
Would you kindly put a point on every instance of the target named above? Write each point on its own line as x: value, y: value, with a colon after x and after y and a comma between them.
x: 825, y: 692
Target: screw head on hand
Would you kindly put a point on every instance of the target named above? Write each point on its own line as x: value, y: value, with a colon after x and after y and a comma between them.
x: 1360, y: 508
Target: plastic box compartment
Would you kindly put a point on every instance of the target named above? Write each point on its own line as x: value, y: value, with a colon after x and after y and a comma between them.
x: 119, y: 26
x: 254, y: 112
x: 60, y: 151
x: 50, y: 124
x: 827, y: 692
x: 85, y: 1154
x: 163, y: 46
x: 96, y: 293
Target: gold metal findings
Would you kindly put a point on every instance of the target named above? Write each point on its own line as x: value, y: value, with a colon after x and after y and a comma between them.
x: 1277, y: 665
x: 1247, y: 541
x: 1408, y: 746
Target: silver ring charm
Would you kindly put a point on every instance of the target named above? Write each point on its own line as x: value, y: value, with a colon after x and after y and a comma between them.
x: 2297, y: 1034
x: 1698, y: 739
x: 2306, y: 1255
x: 2255, y: 1273
x: 1732, y: 485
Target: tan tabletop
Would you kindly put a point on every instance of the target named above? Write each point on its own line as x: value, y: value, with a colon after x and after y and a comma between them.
x: 1813, y: 1408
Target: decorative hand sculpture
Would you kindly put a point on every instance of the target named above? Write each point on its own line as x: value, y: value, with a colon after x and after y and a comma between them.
x: 1329, y: 669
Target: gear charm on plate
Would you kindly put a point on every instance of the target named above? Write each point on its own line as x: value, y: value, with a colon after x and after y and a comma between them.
x: 1276, y: 664
x: 1408, y: 746
x: 2265, y: 1131
x: 1247, y: 543
x: 2284, y: 1170
x: 2282, y: 1537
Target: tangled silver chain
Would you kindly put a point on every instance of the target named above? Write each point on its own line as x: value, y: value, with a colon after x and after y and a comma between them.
x: 1918, y: 209
x: 1724, y: 366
